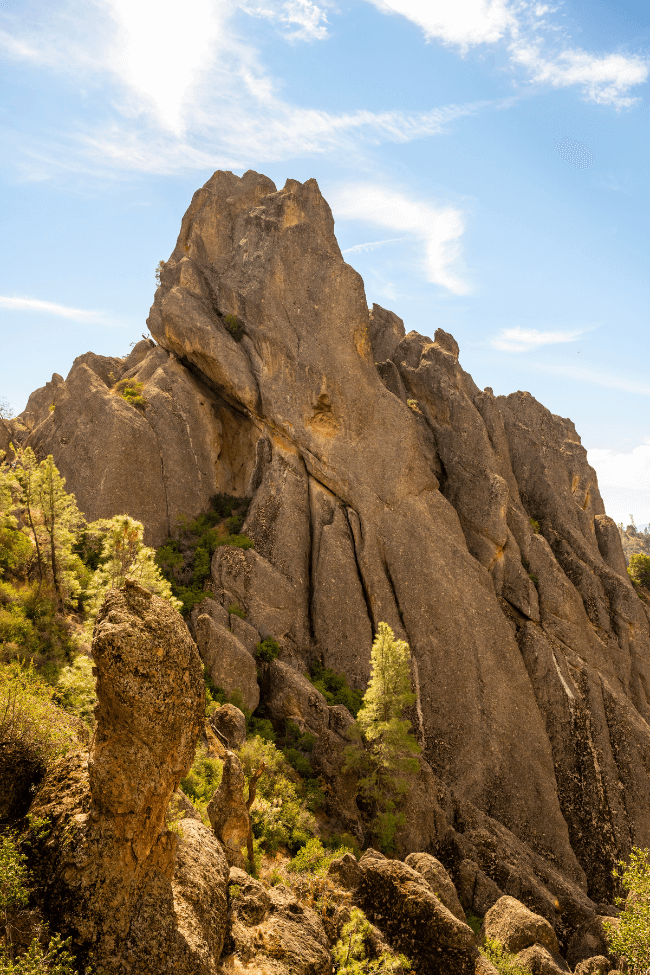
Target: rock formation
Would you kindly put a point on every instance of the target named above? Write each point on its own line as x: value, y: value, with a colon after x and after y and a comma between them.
x: 136, y: 897
x: 386, y: 487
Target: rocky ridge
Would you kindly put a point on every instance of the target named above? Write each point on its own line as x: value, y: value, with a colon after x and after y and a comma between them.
x: 385, y: 487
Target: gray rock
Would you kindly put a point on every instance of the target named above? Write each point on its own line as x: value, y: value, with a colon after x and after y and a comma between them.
x: 540, y: 961
x: 346, y: 871
x: 590, y: 940
x: 289, y: 696
x: 438, y: 880
x: 229, y: 663
x: 245, y: 633
x: 231, y: 723
x: 597, y: 965
x: 227, y: 811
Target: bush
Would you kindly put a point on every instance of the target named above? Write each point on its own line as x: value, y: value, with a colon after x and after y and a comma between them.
x: 314, y: 858
x: 280, y: 815
x: 535, y: 525
x: 32, y: 627
x: 235, y: 326
x: 335, y: 688
x: 639, y: 570
x: 75, y: 690
x: 352, y: 949
x: 202, y: 781
x: 30, y: 722
x: 131, y: 391
x: 267, y: 650
x: 505, y: 963
x: 632, y: 939
x: 55, y: 960
x: 236, y: 610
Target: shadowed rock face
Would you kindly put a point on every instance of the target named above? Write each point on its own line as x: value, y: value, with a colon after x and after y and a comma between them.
x: 531, y: 651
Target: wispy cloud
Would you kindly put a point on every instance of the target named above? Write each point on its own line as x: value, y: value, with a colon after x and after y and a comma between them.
x: 51, y: 308
x: 437, y: 228
x: 590, y: 374
x: 529, y: 339
x: 373, y: 245
x: 302, y: 20
x: 624, y: 481
x: 533, y: 43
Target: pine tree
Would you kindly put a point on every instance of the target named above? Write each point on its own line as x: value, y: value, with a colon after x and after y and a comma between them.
x: 61, y: 520
x: 391, y: 757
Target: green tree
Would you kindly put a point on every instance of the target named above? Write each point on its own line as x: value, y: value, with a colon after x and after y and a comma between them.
x: 631, y: 937
x: 124, y: 556
x: 351, y: 951
x: 391, y: 751
x: 28, y: 477
x: 61, y: 519
x: 639, y: 569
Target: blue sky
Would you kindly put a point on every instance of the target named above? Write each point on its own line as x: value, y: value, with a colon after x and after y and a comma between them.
x: 486, y: 162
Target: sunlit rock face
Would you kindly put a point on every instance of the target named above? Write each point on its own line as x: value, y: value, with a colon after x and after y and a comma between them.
x: 387, y: 487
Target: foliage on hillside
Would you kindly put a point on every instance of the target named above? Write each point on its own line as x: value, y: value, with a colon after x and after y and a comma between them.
x: 631, y: 938
x: 185, y: 558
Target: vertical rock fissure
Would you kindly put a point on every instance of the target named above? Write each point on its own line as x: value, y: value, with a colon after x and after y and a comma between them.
x: 362, y: 581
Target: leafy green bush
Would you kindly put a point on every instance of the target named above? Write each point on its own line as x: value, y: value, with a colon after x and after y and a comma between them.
x: 352, y: 949
x: 53, y: 960
x: 474, y: 921
x: 261, y: 727
x: 535, y: 525
x: 280, y: 815
x: 131, y: 391
x: 505, y: 963
x: 335, y: 688
x: 202, y: 781
x: 631, y: 939
x: 314, y: 858
x: 185, y: 558
x: 30, y: 721
x: 235, y: 326
x: 236, y: 610
x: 639, y: 569
x: 32, y: 626
x: 75, y: 691
x: 267, y: 650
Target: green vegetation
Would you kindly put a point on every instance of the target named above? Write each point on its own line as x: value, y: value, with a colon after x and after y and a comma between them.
x: 535, y: 525
x: 474, y: 922
x: 385, y: 753
x: 505, y: 963
x: 352, y: 949
x: 236, y: 610
x: 267, y: 650
x: 632, y: 938
x: 131, y: 391
x: 185, y: 558
x: 14, y: 896
x: 30, y: 722
x: 202, y: 781
x: 335, y: 688
x: 639, y: 570
x: 314, y: 858
x: 235, y: 326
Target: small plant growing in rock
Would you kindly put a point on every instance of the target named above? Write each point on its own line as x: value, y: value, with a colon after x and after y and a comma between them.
x: 351, y: 951
x: 631, y: 938
x: 267, y: 650
x: 131, y: 391
x: 535, y: 526
x: 639, y: 570
x: 505, y: 963
x: 235, y: 326
x: 413, y: 405
x: 236, y: 610
x: 335, y: 688
x: 314, y: 858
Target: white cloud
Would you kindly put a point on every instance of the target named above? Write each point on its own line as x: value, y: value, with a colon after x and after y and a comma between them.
x: 49, y: 308
x: 372, y: 246
x: 604, y: 79
x: 624, y: 481
x: 438, y: 228
x: 462, y: 23
x: 306, y: 20
x: 528, y: 339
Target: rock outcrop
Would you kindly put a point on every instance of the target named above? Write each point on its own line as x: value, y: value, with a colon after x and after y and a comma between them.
x: 135, y: 896
x: 386, y: 486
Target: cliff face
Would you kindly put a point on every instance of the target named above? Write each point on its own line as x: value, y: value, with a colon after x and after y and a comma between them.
x: 386, y: 487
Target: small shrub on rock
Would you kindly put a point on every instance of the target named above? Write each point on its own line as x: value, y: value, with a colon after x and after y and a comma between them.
x: 505, y: 963
x: 335, y: 688
x: 202, y: 781
x: 131, y: 391
x: 235, y: 326
x: 267, y: 650
x: 639, y: 570
x: 314, y: 858
x: 351, y: 952
x: 236, y: 610
x: 30, y: 721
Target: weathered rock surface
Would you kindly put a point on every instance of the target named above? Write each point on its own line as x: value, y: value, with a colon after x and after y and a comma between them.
x: 272, y: 932
x: 228, y: 812
x: 228, y: 662
x: 231, y: 723
x: 438, y: 880
x: 135, y: 898
x: 597, y: 965
x: 472, y: 525
x: 414, y: 920
x: 540, y: 961
x: 589, y: 940
x: 515, y: 927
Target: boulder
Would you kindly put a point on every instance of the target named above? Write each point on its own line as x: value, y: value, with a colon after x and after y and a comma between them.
x: 401, y: 903
x: 478, y: 892
x: 289, y: 696
x: 245, y: 633
x: 346, y: 871
x: 515, y: 927
x: 228, y: 813
x: 596, y: 965
x: 272, y: 932
x: 590, y: 940
x: 438, y: 880
x: 230, y: 722
x: 540, y: 961
x: 228, y: 662
x: 209, y: 607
